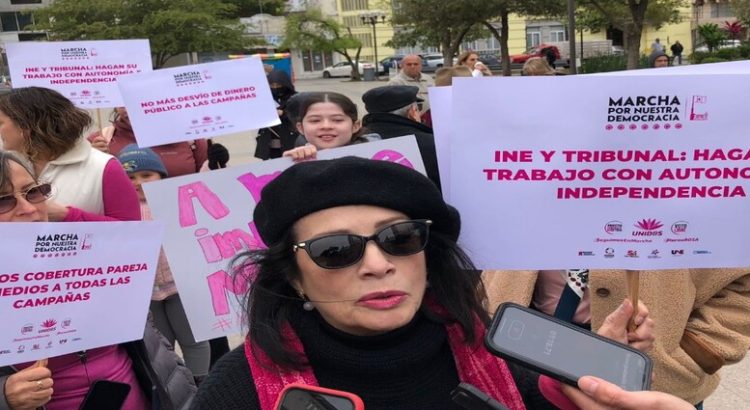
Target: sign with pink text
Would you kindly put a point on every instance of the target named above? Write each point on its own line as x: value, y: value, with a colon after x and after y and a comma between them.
x: 72, y: 286
x: 85, y: 72
x: 637, y: 172
x: 209, y: 221
x: 199, y: 101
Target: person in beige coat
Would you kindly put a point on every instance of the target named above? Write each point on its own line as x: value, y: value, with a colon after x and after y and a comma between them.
x: 702, y: 318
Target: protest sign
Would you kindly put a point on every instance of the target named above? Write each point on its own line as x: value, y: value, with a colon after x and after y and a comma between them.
x: 198, y: 101
x: 208, y: 218
x: 72, y: 286
x: 645, y: 172
x: 441, y: 106
x: 85, y: 72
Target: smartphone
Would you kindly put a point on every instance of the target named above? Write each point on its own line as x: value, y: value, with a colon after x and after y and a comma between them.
x: 105, y: 394
x: 564, y: 351
x: 470, y: 397
x: 304, y: 397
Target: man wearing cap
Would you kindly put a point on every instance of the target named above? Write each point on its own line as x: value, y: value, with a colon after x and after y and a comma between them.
x: 393, y: 112
x: 411, y: 74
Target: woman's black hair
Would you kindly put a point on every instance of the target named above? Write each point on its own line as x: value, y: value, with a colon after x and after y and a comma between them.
x: 455, y: 284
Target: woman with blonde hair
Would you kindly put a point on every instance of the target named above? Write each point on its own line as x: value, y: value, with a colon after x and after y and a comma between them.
x: 471, y: 59
x: 537, y: 66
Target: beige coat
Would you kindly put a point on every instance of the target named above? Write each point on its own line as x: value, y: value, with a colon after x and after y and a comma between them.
x: 702, y: 318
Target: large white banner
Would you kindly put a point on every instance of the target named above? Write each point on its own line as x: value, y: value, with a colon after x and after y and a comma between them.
x: 645, y: 172
x: 72, y: 286
x: 441, y: 107
x: 208, y: 218
x: 85, y: 72
x: 199, y: 101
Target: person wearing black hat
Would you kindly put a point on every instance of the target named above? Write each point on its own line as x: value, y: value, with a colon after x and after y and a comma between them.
x: 273, y: 141
x: 393, y: 112
x: 364, y: 289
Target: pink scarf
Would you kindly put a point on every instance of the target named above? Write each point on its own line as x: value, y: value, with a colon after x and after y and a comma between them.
x: 474, y: 363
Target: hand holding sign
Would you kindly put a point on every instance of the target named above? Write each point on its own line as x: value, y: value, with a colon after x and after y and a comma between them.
x: 29, y: 388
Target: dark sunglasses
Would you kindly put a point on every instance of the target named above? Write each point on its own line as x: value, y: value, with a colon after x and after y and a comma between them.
x: 342, y: 250
x: 35, y: 194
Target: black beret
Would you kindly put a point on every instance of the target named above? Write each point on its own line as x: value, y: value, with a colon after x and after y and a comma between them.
x: 390, y: 98
x: 311, y: 186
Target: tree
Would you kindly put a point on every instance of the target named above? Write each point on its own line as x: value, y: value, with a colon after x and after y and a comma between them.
x: 501, y: 10
x: 445, y: 24
x: 741, y: 9
x: 631, y: 16
x: 172, y: 26
x: 247, y: 8
x: 712, y: 35
x: 311, y: 30
x: 448, y: 24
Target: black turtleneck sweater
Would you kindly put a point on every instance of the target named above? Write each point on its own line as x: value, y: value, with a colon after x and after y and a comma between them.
x: 408, y: 368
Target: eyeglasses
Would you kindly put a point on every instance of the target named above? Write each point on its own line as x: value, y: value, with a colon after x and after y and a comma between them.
x: 35, y: 194
x: 342, y: 250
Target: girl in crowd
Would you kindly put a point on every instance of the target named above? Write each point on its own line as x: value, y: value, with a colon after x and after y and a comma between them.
x: 156, y: 376
x: 364, y: 289
x: 326, y: 120
x: 143, y: 165
x: 180, y: 158
x: 47, y: 128
x: 470, y: 59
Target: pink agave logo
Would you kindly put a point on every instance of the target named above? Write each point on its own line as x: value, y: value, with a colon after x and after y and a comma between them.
x: 49, y: 323
x: 649, y: 224
x: 648, y: 227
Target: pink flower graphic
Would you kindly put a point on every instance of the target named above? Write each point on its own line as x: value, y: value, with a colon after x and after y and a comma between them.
x: 649, y: 224
x: 49, y: 323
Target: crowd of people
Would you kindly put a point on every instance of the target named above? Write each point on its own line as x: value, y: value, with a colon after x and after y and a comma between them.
x: 399, y: 322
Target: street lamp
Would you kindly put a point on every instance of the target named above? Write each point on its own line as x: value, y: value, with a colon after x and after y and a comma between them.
x: 372, y: 19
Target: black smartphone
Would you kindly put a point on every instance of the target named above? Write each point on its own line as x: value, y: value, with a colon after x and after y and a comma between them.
x: 470, y: 397
x: 564, y: 351
x: 305, y: 397
x: 105, y: 394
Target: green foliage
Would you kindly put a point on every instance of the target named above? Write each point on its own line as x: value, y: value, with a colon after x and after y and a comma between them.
x: 698, y: 56
x: 710, y: 60
x: 313, y: 31
x: 744, y: 51
x: 630, y: 16
x: 712, y: 35
x: 172, y: 26
x: 603, y: 64
x: 741, y: 9
x: 728, y: 54
x: 247, y: 8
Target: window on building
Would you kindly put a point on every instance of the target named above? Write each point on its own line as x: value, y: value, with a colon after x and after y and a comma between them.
x: 533, y: 38
x: 349, y: 5
x: 315, y: 60
x: 719, y: 10
x: 353, y: 21
x: 14, y: 2
x: 366, y: 39
x: 558, y: 35
x: 15, y: 21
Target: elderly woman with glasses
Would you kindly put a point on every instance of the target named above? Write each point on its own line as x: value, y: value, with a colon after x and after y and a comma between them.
x: 364, y: 289
x: 47, y: 129
x: 157, y: 377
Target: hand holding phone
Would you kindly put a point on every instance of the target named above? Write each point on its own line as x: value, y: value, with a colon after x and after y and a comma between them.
x: 563, y: 351
x: 105, y: 394
x: 305, y: 397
